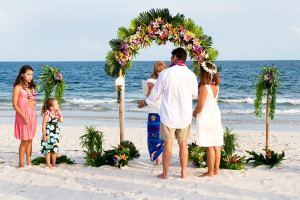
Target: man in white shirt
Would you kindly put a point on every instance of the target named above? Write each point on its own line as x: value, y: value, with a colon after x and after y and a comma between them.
x: 178, y: 86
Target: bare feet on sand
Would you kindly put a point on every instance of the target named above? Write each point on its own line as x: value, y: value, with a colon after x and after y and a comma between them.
x: 162, y: 176
x: 184, y: 175
x: 207, y: 174
x: 216, y: 172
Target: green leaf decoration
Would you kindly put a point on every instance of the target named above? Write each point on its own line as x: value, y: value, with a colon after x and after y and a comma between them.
x: 59, y: 160
x: 266, y: 80
x: 49, y: 78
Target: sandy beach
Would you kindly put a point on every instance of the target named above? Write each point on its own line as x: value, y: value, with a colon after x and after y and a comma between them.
x: 138, y: 179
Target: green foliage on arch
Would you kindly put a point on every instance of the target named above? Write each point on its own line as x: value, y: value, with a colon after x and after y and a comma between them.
x: 159, y: 26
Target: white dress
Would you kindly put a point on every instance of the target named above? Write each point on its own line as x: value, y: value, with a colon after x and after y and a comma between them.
x: 208, y: 122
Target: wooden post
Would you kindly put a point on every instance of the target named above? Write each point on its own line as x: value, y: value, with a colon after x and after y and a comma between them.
x: 121, y: 110
x: 267, y: 121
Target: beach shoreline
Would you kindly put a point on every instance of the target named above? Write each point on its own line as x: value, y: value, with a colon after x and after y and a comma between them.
x: 138, y: 179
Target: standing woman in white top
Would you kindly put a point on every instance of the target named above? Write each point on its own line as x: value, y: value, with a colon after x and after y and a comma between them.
x: 208, y: 117
x: 155, y: 144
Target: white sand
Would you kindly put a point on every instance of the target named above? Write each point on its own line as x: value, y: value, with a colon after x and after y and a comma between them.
x: 138, y: 179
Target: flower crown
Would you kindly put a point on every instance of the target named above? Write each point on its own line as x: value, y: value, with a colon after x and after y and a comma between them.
x: 211, y: 71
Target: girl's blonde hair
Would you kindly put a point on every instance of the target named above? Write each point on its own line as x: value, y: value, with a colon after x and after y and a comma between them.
x: 156, y: 65
x: 48, y: 103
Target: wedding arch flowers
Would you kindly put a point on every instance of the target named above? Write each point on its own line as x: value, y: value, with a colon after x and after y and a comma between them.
x: 158, y: 26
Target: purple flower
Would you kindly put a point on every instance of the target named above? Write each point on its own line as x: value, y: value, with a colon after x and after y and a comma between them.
x: 137, y: 41
x: 151, y: 23
x: 198, y: 48
x: 123, y: 46
x: 194, y: 163
x: 115, y: 159
x: 269, y: 76
x: 151, y: 35
x: 58, y: 77
x: 122, y: 62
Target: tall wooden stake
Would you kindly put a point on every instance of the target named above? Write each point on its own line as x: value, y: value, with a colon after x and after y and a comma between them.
x: 267, y: 121
x: 121, y: 110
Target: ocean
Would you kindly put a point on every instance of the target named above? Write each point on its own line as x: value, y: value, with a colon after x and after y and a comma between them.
x: 90, y: 95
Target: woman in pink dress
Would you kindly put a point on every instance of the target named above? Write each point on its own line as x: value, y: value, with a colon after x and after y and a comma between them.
x: 24, y: 101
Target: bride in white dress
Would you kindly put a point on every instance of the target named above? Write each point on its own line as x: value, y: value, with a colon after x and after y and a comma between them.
x: 208, y: 117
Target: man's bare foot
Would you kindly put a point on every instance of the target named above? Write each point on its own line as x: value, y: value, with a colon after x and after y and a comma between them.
x: 157, y: 164
x: 53, y: 165
x: 184, y: 175
x: 216, y: 172
x: 207, y: 174
x: 49, y: 166
x: 162, y: 176
x: 21, y: 165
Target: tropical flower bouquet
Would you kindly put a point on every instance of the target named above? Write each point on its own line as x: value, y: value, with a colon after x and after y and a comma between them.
x: 197, y: 155
x: 50, y: 77
x: 96, y: 157
x: 232, y: 162
x: 271, y: 158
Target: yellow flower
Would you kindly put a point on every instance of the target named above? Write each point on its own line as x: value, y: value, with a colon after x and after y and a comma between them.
x: 124, y: 157
x: 120, y: 54
x: 148, y: 29
x: 174, y: 31
x: 189, y: 33
x: 158, y: 19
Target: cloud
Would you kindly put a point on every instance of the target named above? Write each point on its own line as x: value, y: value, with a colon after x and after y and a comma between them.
x: 296, y: 29
x: 84, y: 42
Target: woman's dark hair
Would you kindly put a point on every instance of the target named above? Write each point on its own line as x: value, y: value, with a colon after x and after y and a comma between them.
x: 19, y: 79
x: 205, y: 77
x: 180, y: 53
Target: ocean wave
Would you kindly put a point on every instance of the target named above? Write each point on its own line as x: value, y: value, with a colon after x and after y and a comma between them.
x: 251, y: 101
x: 90, y: 101
x: 95, y: 101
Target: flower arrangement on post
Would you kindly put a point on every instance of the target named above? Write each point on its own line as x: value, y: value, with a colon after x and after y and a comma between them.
x: 266, y: 80
x: 50, y: 77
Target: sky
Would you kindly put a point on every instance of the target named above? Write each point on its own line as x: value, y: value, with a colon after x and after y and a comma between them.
x: 80, y: 30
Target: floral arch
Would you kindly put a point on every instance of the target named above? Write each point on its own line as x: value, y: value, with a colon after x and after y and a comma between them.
x: 159, y: 26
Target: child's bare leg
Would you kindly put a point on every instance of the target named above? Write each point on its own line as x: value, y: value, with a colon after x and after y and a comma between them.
x: 28, y: 152
x: 210, y: 162
x: 53, y: 156
x: 47, y: 156
x: 157, y: 161
x: 217, y: 160
x: 22, y: 150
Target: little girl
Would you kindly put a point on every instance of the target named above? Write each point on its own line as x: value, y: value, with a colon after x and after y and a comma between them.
x: 50, y: 130
x: 208, y: 117
x: 24, y: 101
